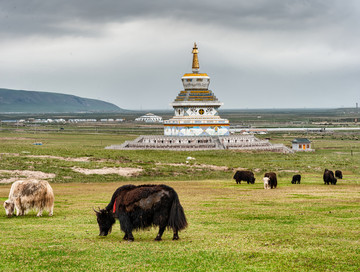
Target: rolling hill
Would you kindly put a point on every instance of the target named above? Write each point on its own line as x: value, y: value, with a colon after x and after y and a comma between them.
x: 20, y: 101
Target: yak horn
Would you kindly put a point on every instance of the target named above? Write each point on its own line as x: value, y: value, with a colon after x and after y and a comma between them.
x: 96, y: 210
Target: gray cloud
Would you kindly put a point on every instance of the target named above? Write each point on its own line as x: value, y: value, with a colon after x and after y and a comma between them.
x: 62, y: 17
x: 133, y: 53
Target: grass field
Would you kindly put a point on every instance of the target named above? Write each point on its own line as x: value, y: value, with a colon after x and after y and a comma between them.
x: 231, y: 227
x: 306, y: 227
x: 17, y: 152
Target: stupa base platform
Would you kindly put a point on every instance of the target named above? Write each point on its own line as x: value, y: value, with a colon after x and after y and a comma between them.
x: 193, y: 143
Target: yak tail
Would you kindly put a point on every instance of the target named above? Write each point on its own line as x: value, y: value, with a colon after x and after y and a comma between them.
x: 177, y: 219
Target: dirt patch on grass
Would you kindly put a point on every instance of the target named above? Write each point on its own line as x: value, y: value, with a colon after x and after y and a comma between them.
x: 14, y: 138
x: 80, y: 159
x: 240, y: 169
x: 24, y: 174
x: 201, y: 166
x: 212, y: 167
x: 121, y: 171
x: 71, y: 159
x: 10, y: 154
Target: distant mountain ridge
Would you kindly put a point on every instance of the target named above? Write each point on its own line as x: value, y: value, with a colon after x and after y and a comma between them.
x: 44, y: 102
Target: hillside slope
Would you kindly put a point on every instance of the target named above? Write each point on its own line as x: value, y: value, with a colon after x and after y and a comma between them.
x: 45, y: 102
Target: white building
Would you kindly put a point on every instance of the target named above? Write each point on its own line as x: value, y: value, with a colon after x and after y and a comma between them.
x: 301, y: 144
x: 149, y: 118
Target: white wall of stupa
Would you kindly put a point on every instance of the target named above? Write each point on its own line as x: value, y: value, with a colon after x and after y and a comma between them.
x: 196, y: 107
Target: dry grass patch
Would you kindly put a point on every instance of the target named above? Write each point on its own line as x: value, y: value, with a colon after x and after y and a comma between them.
x: 121, y: 171
x: 24, y: 174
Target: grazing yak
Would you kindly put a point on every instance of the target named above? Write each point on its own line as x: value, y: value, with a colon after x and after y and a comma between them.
x: 272, y: 182
x: 139, y: 207
x: 329, y: 177
x: 266, y: 182
x: 338, y: 174
x: 247, y: 176
x: 296, y: 179
x: 30, y: 194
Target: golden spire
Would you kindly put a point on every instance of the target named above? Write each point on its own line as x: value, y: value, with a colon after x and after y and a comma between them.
x: 195, y: 64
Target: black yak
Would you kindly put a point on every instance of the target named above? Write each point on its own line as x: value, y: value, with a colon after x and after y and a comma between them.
x: 338, y: 174
x: 272, y: 179
x: 139, y: 207
x: 247, y: 176
x: 329, y: 177
x: 296, y: 179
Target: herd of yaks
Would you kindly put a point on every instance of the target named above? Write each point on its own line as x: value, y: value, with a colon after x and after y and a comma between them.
x: 136, y: 207
x: 37, y: 194
x: 270, y: 179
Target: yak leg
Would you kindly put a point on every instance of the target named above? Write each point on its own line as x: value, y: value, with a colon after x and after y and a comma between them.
x: 18, y: 207
x: 161, y: 231
x: 51, y: 212
x: 41, y: 208
x: 176, y: 235
x: 126, y: 226
x: 130, y: 236
x: 40, y: 212
x: 17, y: 210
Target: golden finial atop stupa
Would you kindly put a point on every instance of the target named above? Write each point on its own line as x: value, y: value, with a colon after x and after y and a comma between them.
x: 195, y: 64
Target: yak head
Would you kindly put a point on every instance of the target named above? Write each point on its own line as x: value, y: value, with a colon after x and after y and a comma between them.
x: 333, y: 181
x: 9, y: 207
x: 105, y: 220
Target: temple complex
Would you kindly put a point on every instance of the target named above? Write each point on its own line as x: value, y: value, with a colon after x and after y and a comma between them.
x: 196, y: 107
x: 196, y: 124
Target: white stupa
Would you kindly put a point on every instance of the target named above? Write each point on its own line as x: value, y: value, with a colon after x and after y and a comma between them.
x: 196, y: 107
x: 196, y: 124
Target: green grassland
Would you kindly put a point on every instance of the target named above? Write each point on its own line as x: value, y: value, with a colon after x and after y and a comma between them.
x: 305, y: 227
x: 333, y: 151
x: 231, y: 228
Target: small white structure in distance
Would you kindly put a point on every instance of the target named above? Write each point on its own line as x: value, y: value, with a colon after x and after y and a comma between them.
x: 301, y: 144
x: 149, y: 118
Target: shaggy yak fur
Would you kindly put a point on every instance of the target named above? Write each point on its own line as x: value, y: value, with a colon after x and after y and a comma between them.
x: 139, y: 207
x: 30, y: 194
x: 296, y: 179
x: 329, y: 177
x: 338, y: 174
x: 272, y: 179
x: 266, y: 182
x: 247, y: 176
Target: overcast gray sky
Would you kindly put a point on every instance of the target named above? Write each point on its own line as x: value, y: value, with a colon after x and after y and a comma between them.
x: 258, y: 53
